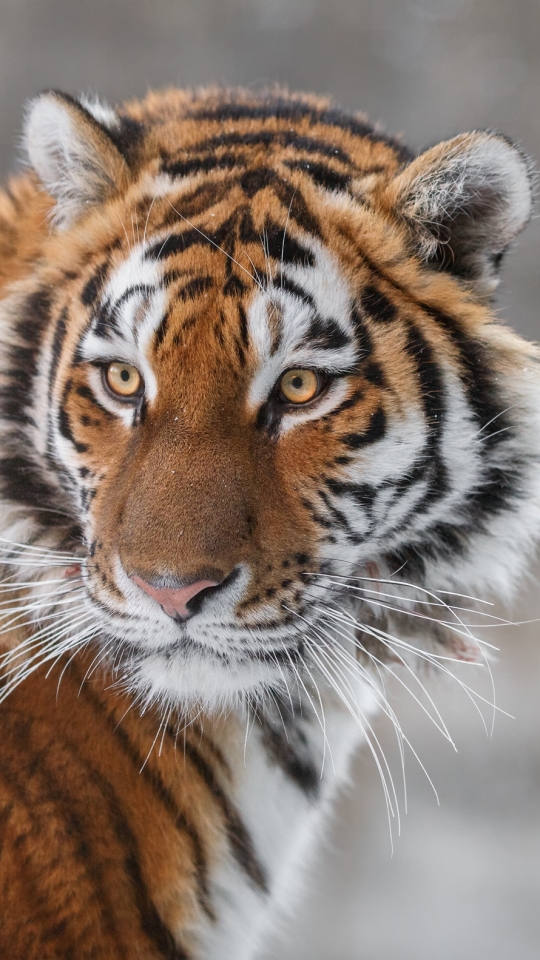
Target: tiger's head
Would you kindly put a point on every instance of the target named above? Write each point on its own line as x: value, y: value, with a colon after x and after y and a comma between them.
x: 254, y: 387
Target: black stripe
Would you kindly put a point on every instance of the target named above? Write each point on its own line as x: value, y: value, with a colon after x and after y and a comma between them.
x: 151, y: 922
x: 94, y: 285
x: 174, y: 244
x: 362, y: 335
x: 340, y: 519
x: 252, y: 181
x: 195, y: 287
x: 64, y: 422
x: 161, y: 331
x: 239, y: 837
x: 477, y: 378
x: 279, y: 745
x: 234, y: 286
x: 433, y: 403
x: 287, y: 138
x: 377, y: 306
x: 84, y: 391
x: 56, y: 348
x: 283, y: 109
x: 375, y: 431
x: 326, y: 334
x: 243, y: 325
x: 154, y: 780
x: 146, y: 289
x: 22, y: 359
x: 198, y: 164
x: 24, y: 482
x: 56, y: 795
x: 289, y: 286
x: 321, y: 174
x: 281, y: 246
x: 347, y: 404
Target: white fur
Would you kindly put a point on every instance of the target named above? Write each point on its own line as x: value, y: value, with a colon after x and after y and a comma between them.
x: 72, y: 170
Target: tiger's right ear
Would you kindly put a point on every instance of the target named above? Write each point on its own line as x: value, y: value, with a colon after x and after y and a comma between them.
x: 70, y: 148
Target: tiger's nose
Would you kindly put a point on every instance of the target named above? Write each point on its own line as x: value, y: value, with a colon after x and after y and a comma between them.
x: 180, y: 602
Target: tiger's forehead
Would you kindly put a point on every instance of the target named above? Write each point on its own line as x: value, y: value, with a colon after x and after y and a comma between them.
x: 294, y: 312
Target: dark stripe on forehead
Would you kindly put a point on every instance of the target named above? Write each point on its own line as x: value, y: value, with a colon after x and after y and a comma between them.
x: 234, y: 287
x: 286, y: 138
x: 144, y: 289
x: 252, y: 181
x: 297, y: 209
x: 321, y: 174
x: 326, y: 334
x: 289, y: 286
x: 195, y: 287
x: 174, y: 244
x: 198, y: 164
x: 282, y: 109
x: 361, y: 333
x: 377, y: 306
x: 94, y: 285
x: 280, y: 245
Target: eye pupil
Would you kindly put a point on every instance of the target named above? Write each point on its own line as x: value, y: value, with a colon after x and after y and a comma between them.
x: 300, y: 386
x: 123, y: 380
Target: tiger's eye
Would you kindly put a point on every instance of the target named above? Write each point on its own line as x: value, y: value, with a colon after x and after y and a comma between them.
x: 123, y: 379
x: 299, y: 386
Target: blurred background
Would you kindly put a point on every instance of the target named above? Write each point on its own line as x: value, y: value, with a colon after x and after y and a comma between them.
x: 464, y: 878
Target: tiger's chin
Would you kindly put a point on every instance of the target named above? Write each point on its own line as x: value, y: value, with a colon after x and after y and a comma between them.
x: 187, y: 675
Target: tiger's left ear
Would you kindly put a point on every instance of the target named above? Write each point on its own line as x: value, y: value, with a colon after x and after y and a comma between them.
x: 464, y: 201
x: 70, y: 145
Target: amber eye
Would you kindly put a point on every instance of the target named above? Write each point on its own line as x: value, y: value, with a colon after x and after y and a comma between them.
x: 123, y: 379
x: 299, y: 386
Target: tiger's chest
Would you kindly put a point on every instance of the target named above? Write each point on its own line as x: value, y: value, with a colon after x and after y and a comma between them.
x: 287, y: 772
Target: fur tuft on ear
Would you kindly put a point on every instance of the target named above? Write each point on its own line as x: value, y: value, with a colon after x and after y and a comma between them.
x: 465, y: 200
x: 68, y: 145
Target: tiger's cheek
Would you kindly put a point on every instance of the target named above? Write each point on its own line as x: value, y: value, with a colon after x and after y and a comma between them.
x: 92, y: 440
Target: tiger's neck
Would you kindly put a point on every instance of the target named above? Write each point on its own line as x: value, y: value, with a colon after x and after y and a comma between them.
x: 286, y: 770
x: 206, y: 824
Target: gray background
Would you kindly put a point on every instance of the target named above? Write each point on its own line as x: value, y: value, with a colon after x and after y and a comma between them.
x: 464, y: 880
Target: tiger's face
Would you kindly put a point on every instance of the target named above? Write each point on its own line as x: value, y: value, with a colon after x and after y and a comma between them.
x: 268, y: 380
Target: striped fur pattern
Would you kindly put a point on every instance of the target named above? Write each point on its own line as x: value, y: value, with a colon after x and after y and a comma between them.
x: 158, y: 801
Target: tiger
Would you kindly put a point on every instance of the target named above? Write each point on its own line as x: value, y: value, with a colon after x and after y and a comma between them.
x: 262, y: 432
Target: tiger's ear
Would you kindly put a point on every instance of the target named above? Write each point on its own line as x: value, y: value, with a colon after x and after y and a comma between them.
x: 70, y: 146
x: 465, y: 200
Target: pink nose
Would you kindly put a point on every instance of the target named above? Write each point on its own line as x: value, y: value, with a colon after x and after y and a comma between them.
x: 174, y: 600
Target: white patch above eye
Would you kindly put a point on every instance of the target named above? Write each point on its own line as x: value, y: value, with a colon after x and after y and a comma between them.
x: 281, y: 324
x: 135, y: 300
